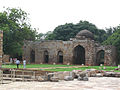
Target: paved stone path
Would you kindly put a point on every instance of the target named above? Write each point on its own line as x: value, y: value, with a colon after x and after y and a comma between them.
x: 56, y: 67
x: 94, y: 83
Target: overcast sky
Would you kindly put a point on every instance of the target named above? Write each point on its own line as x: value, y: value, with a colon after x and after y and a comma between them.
x: 48, y: 14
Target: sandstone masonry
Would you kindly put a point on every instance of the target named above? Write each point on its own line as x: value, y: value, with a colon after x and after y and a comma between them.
x: 79, y: 50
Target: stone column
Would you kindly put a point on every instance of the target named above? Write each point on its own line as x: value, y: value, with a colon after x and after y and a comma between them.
x: 1, y: 47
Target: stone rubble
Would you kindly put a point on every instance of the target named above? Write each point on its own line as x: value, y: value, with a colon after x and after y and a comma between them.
x: 94, y: 83
x: 68, y: 78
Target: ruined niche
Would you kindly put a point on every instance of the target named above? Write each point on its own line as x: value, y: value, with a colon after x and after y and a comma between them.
x: 32, y: 56
x: 46, y: 57
x: 60, y: 57
x: 100, y: 57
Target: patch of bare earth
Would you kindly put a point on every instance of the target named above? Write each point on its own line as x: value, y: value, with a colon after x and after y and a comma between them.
x: 56, y: 67
x: 94, y: 83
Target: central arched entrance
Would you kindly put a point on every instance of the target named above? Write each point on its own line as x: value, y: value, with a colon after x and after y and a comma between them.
x: 100, y: 57
x: 32, y: 56
x: 46, y: 57
x: 79, y: 55
x: 60, y: 57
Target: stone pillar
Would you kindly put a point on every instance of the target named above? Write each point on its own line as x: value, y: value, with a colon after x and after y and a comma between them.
x: 1, y: 47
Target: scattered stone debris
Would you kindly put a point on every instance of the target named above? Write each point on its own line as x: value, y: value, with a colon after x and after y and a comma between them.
x: 99, y: 75
x: 67, y: 75
x: 41, y: 79
x: 68, y: 78
x: 83, y: 78
x: 54, y: 79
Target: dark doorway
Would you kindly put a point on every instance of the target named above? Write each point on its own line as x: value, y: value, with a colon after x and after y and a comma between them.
x: 79, y: 55
x: 100, y: 57
x: 60, y: 57
x: 46, y: 57
x: 32, y: 56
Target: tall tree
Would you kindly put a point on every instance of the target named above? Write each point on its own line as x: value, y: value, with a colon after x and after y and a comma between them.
x: 114, y: 40
x: 69, y: 30
x: 16, y: 29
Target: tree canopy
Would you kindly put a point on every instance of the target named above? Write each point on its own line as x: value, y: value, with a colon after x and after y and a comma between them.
x: 114, y: 40
x: 16, y: 29
x: 69, y: 30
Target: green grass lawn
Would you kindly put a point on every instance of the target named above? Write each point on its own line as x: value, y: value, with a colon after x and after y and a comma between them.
x: 35, y: 66
x: 108, y: 68
x: 56, y: 67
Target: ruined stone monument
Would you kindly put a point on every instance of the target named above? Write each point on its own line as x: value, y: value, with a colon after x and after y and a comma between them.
x: 82, y: 50
x: 1, y: 47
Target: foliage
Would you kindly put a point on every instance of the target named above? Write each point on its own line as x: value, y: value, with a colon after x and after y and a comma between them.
x: 114, y: 40
x: 35, y: 66
x: 16, y: 29
x: 69, y: 30
x: 39, y: 36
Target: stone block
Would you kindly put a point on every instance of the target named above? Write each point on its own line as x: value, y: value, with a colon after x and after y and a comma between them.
x: 109, y: 74
x: 99, y: 75
x: 61, y: 75
x: 54, y: 79
x: 49, y: 75
x: 68, y: 78
x: 82, y: 78
x: 85, y: 78
x: 41, y: 79
x: 83, y: 74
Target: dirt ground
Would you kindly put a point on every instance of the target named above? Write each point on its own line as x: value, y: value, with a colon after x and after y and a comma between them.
x: 94, y: 83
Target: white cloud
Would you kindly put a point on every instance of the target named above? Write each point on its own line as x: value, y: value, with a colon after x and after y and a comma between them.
x: 48, y: 14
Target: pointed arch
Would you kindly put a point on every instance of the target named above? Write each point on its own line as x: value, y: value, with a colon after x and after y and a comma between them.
x: 79, y: 55
x: 100, y: 57
x: 60, y: 57
x: 46, y: 56
x: 32, y: 56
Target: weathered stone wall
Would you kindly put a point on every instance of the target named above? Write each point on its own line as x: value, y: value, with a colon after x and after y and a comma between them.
x: 5, y: 58
x: 110, y: 54
x: 67, y: 47
x: 53, y: 47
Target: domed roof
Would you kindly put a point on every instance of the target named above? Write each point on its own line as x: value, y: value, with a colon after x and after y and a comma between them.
x: 85, y: 33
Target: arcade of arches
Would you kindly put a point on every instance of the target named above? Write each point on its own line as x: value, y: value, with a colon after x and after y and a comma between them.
x: 79, y: 50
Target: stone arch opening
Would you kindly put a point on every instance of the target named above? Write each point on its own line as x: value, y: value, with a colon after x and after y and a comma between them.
x: 60, y: 57
x: 79, y: 55
x: 32, y: 56
x: 100, y: 57
x: 46, y: 56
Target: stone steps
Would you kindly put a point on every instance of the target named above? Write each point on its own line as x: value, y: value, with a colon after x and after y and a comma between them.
x: 19, y: 76
x: 16, y: 79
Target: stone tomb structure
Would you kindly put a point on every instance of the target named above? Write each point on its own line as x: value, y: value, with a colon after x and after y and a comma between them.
x: 79, y: 50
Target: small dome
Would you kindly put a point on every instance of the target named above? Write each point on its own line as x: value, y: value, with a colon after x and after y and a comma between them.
x: 85, y: 33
